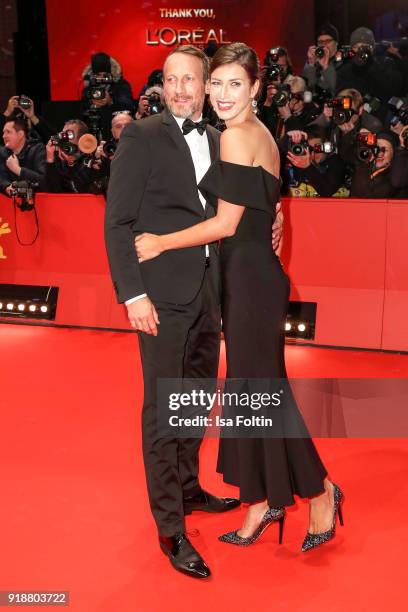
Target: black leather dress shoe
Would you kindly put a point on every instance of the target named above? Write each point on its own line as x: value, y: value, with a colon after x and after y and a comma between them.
x: 209, y: 503
x: 183, y: 556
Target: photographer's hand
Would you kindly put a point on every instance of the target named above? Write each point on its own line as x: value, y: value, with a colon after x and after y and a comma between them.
x: 401, y: 136
x: 9, y: 190
x: 12, y: 104
x: 324, y: 61
x: 300, y: 161
x: 148, y: 246
x: 13, y: 164
x: 270, y: 92
x: 50, y: 150
x: 143, y: 316
x: 311, y: 56
x: 29, y: 113
x: 143, y: 108
x: 297, y: 135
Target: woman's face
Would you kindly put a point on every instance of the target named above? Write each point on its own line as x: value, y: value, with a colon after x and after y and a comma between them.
x: 231, y: 91
x: 385, y: 153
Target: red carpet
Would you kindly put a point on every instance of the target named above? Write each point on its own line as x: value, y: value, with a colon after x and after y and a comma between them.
x: 74, y: 512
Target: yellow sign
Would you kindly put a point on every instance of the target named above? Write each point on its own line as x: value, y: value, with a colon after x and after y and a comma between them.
x: 4, y: 229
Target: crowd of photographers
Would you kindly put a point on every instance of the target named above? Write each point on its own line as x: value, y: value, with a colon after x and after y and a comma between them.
x: 341, y: 126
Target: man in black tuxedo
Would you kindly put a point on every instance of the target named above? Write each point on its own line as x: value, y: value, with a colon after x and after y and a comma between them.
x: 174, y: 299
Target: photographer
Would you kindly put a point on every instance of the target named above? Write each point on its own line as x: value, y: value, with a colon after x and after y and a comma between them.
x: 314, y: 168
x: 20, y: 158
x: 23, y: 106
x: 320, y: 67
x: 105, y: 92
x: 151, y: 102
x: 66, y: 170
x: 399, y: 167
x: 106, y: 149
x: 276, y: 69
x: 376, y: 76
x: 372, y: 174
x: 295, y: 112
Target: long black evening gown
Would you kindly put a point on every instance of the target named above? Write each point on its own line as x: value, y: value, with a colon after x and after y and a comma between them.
x: 255, y: 301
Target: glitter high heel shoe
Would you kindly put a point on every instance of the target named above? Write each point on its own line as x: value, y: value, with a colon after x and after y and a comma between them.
x: 272, y: 515
x: 312, y: 540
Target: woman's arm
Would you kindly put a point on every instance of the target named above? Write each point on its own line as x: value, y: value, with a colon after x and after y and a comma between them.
x: 234, y: 149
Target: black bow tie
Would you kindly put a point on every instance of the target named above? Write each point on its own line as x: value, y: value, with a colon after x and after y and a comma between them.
x: 189, y: 125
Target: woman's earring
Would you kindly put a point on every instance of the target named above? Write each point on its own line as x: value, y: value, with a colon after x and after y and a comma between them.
x: 254, y: 105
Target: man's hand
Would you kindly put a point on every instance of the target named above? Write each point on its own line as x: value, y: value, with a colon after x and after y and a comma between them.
x: 106, y: 101
x: 50, y: 150
x: 143, y: 316
x: 29, y: 113
x: 12, y: 104
x: 297, y: 135
x: 277, y: 229
x: 271, y: 90
x: 311, y: 56
x: 13, y: 164
x: 9, y: 190
x: 300, y: 161
x: 324, y: 61
x: 143, y: 107
x: 401, y: 136
x: 347, y: 127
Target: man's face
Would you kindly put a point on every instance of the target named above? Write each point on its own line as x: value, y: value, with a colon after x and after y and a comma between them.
x: 327, y: 41
x: 283, y: 61
x: 184, y: 87
x: 296, y: 104
x: 118, y: 123
x: 13, y: 139
x: 385, y: 154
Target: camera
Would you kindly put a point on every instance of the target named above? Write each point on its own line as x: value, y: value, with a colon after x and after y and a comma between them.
x: 326, y: 147
x: 154, y: 102
x: 319, y: 52
x: 400, y: 108
x: 342, y: 109
x: 298, y: 148
x: 24, y: 102
x: 274, y: 72
x: 110, y: 147
x: 99, y: 85
x: 62, y: 140
x: 366, y: 146
x: 23, y: 194
x: 344, y: 53
x: 362, y: 56
x: 371, y: 103
x: 273, y: 55
x: 283, y: 96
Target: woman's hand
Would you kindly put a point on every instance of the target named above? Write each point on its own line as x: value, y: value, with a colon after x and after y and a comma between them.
x: 148, y: 246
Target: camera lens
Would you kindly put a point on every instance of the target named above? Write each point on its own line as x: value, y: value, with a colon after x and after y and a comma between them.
x: 319, y: 52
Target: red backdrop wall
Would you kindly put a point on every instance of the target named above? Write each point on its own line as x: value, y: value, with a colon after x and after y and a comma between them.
x: 78, y: 29
x: 348, y: 256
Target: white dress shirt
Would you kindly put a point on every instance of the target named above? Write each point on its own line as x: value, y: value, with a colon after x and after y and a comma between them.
x: 200, y: 152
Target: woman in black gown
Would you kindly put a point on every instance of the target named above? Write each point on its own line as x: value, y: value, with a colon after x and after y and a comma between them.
x: 269, y: 471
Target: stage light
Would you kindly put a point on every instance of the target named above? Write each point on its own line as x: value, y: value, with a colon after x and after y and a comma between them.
x: 28, y: 301
x: 301, y: 321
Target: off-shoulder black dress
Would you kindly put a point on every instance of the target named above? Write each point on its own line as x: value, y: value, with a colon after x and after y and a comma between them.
x: 254, y: 307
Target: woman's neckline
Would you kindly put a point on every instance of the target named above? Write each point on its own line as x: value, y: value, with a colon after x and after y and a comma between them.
x: 254, y: 167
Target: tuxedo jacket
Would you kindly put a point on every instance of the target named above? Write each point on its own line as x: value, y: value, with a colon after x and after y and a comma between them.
x: 153, y: 189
